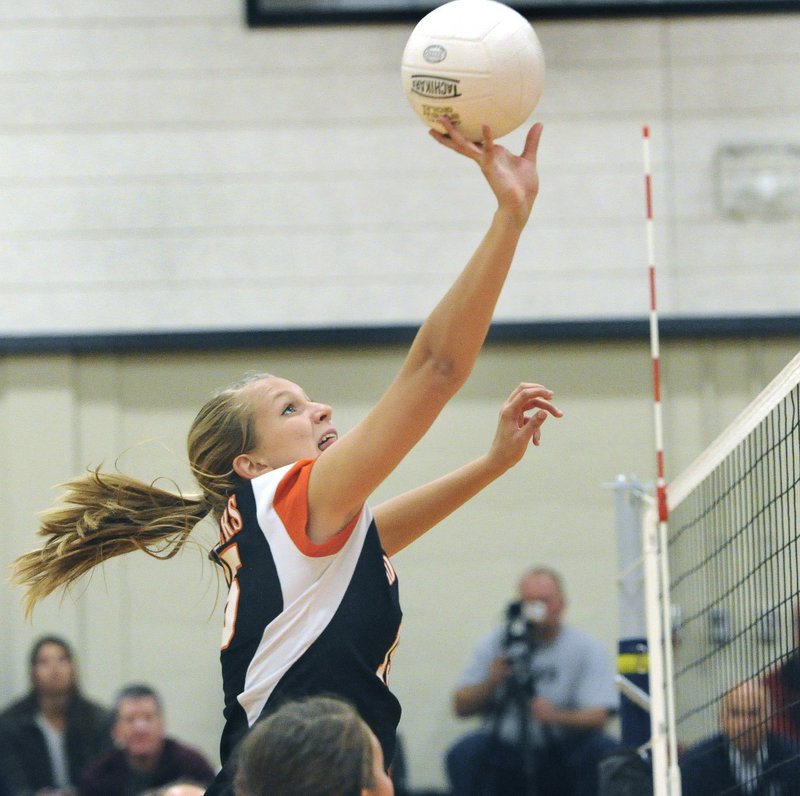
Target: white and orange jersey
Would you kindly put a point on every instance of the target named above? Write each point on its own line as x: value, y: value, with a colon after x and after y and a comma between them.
x: 301, y: 618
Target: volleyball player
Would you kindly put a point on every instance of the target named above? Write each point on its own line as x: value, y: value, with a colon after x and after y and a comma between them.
x: 313, y: 603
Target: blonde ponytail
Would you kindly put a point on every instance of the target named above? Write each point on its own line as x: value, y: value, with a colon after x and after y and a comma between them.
x: 104, y: 515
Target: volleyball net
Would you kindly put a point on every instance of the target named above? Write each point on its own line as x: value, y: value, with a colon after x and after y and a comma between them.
x: 724, y: 578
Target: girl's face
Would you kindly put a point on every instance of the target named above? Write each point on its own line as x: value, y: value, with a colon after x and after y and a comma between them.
x: 381, y: 783
x: 52, y: 671
x: 289, y: 426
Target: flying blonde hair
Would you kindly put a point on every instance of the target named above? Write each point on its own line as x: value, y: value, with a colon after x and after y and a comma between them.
x: 103, y: 515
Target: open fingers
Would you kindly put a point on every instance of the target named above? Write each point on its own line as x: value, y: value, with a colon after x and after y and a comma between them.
x: 527, y: 396
x: 530, y: 388
x: 488, y: 138
x: 532, y: 142
x: 454, y: 140
x: 535, y: 423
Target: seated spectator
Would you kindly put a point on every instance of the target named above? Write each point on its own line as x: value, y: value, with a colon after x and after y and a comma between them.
x: 49, y: 736
x: 145, y: 757
x: 783, y: 685
x: 317, y: 746
x: 545, y: 691
x: 744, y: 758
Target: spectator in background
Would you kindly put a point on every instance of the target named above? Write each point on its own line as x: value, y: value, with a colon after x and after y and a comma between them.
x: 145, y: 757
x: 49, y: 736
x: 317, y: 746
x: 743, y: 759
x: 783, y: 685
x: 545, y: 691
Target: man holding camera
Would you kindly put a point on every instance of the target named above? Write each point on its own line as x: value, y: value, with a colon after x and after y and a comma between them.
x: 545, y: 691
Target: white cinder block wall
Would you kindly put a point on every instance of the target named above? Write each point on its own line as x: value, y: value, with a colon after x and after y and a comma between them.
x: 162, y: 167
x: 156, y: 157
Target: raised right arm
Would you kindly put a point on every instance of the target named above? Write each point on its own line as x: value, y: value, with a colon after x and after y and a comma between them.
x: 443, y: 352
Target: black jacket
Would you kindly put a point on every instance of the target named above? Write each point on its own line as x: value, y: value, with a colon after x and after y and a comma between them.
x: 24, y: 760
x: 109, y: 776
x: 706, y: 770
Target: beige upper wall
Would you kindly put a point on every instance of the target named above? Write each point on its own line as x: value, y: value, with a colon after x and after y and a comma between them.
x: 156, y: 156
x: 160, y: 621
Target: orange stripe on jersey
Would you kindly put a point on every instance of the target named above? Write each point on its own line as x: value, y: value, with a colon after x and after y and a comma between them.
x: 291, y: 505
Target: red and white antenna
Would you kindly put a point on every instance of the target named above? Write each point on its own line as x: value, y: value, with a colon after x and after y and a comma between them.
x: 661, y: 486
x: 666, y: 774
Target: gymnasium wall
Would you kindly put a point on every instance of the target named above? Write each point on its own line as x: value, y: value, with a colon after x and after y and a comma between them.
x: 160, y: 621
x: 161, y: 167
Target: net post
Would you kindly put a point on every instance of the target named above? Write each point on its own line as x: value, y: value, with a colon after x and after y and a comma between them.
x: 630, y: 498
x: 673, y: 771
x: 655, y: 636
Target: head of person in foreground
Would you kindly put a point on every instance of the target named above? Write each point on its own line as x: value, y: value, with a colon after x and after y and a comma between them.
x: 317, y: 746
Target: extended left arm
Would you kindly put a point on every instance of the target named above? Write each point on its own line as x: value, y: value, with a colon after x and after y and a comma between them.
x: 403, y: 519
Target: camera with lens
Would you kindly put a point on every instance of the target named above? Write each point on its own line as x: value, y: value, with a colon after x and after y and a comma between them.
x: 520, y: 639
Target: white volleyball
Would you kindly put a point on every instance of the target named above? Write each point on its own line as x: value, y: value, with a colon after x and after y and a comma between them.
x: 476, y: 61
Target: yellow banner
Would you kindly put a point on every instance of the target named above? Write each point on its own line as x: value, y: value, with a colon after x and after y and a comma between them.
x: 633, y: 663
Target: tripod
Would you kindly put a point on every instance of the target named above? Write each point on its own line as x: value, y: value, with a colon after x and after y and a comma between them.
x: 518, y: 692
